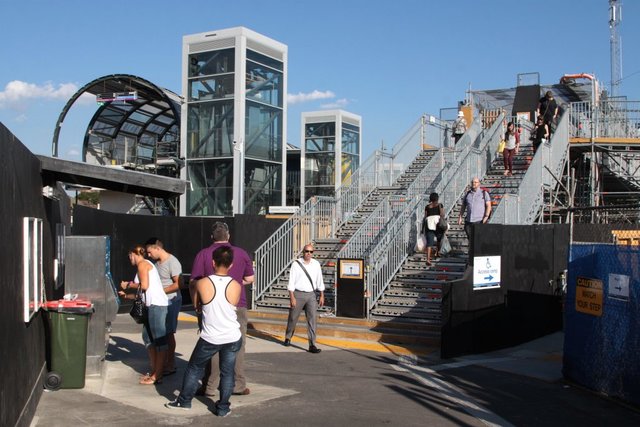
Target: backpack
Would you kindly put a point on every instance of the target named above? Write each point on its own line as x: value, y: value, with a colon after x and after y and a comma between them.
x: 484, y: 191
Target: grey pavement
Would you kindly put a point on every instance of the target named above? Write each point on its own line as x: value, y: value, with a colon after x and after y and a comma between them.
x: 517, y: 386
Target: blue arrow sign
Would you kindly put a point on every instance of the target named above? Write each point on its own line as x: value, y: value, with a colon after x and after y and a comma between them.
x: 489, y: 277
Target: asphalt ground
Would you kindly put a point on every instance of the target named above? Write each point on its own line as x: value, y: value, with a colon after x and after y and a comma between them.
x: 350, y: 386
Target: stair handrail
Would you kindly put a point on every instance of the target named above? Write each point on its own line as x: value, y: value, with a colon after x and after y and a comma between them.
x: 523, y: 207
x: 314, y: 220
x: 363, y: 238
x: 386, y: 258
x: 475, y: 160
x: 379, y: 170
x: 369, y: 232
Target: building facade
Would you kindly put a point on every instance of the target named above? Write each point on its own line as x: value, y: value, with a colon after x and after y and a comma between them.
x: 331, y: 150
x: 234, y: 122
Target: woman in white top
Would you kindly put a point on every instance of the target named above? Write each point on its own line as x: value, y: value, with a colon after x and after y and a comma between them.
x: 511, y: 146
x: 154, y: 331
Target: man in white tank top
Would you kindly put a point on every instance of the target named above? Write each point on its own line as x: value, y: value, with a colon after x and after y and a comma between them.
x: 216, y: 296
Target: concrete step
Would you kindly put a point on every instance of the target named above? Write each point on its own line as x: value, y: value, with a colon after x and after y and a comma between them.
x: 357, y: 329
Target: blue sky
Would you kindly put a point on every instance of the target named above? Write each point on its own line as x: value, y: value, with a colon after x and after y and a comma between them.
x: 386, y: 61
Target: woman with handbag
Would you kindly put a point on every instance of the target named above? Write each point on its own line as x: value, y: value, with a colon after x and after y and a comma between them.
x: 433, y: 216
x: 512, y: 144
x: 540, y: 133
x: 149, y: 287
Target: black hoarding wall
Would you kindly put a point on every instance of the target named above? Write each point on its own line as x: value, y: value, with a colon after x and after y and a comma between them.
x: 181, y: 236
x: 22, y: 348
x: 526, y: 306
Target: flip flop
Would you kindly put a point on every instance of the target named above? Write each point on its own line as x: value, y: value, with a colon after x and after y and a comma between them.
x: 150, y: 381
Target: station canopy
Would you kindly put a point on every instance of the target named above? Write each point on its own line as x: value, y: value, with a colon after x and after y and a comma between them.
x: 136, y: 124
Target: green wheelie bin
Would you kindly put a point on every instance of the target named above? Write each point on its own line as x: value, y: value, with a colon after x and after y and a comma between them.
x: 68, y: 324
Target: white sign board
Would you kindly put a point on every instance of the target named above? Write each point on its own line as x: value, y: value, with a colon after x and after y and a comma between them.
x: 486, y: 272
x: 619, y: 286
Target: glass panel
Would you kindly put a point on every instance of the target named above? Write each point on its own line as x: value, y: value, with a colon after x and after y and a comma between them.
x: 263, y: 186
x: 211, y: 88
x: 258, y: 57
x: 264, y: 132
x: 165, y: 119
x: 263, y: 84
x: 210, y: 193
x: 320, y: 144
x: 319, y: 191
x: 320, y: 129
x: 137, y: 116
x: 350, y: 141
x: 213, y: 62
x: 103, y: 128
x: 130, y: 128
x: 349, y: 166
x: 319, y: 169
x: 210, y: 129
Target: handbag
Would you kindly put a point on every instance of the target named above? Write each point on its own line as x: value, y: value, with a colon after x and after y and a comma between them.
x: 139, y: 309
x: 501, y: 146
x: 442, y: 225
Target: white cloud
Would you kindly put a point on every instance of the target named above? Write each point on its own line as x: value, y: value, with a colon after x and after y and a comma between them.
x: 340, y: 103
x: 21, y: 118
x: 73, y: 152
x: 17, y: 93
x: 306, y: 97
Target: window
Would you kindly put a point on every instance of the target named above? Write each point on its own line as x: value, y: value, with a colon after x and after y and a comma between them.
x: 31, y: 266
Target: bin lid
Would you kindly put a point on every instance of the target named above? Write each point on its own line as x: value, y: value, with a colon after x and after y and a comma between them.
x: 74, y: 306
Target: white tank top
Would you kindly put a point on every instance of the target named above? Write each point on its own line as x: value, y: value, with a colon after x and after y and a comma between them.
x: 219, y: 319
x: 154, y: 295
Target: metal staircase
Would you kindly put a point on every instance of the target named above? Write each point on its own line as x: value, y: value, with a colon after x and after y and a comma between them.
x: 378, y: 203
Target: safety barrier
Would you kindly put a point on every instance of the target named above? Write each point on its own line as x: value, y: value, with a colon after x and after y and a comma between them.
x: 601, y: 320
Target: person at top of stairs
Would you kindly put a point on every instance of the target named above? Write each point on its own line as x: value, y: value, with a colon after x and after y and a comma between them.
x: 511, y: 147
x: 433, y: 212
x: 459, y: 127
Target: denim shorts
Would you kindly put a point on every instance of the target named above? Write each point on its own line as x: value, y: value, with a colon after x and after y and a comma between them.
x: 172, y: 314
x: 154, y: 331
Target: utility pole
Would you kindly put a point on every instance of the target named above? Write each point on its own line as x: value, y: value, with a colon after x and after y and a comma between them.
x: 615, y: 17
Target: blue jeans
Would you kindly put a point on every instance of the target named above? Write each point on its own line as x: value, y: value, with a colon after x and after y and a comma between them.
x: 201, y: 355
x: 154, y: 331
x: 175, y: 304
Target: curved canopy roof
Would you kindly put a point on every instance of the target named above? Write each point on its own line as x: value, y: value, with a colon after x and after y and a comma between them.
x: 133, y: 119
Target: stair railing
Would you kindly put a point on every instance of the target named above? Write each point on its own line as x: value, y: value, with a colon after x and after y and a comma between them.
x: 381, y: 169
x: 316, y: 219
x: 367, y: 235
x: 475, y: 160
x: 524, y: 206
x: 394, y: 246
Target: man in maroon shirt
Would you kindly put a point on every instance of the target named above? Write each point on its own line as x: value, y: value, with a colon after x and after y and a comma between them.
x: 242, y: 272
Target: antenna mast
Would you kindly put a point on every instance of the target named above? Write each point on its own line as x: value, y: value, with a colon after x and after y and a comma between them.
x: 615, y: 17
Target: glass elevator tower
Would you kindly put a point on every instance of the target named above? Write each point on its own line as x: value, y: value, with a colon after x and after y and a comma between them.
x: 233, y: 124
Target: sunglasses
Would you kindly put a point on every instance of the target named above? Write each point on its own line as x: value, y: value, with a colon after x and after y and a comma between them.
x: 308, y: 252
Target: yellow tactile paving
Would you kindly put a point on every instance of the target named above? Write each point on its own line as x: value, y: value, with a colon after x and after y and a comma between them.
x: 342, y: 344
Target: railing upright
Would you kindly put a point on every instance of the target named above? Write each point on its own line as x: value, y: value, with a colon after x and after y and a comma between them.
x: 314, y: 220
